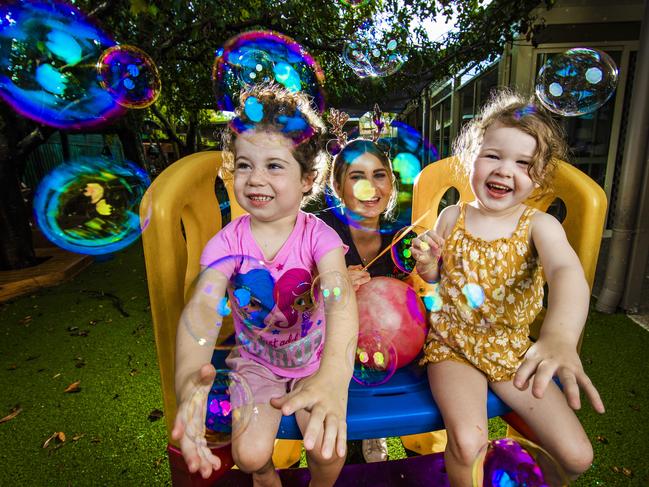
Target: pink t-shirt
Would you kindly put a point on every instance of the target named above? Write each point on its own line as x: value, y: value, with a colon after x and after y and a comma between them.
x: 276, y: 322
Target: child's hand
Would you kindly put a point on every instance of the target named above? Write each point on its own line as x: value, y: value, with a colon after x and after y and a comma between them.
x: 357, y: 276
x: 426, y: 249
x: 326, y: 400
x: 189, y: 426
x: 549, y: 357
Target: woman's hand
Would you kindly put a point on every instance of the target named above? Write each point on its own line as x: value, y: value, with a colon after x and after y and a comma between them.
x: 357, y: 276
x: 189, y: 426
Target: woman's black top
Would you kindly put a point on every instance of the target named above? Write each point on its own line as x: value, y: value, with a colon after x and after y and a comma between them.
x: 384, y: 266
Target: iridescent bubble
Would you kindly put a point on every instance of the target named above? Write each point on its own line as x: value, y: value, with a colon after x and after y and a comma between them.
x: 474, y: 295
x: 47, y: 70
x: 129, y: 75
x: 363, y: 190
x: 576, y: 82
x: 260, y: 56
x: 372, y: 51
x: 250, y: 290
x: 331, y: 290
x: 431, y: 297
x: 511, y: 462
x: 90, y: 206
x: 375, y: 360
x: 218, y: 414
x: 400, y: 250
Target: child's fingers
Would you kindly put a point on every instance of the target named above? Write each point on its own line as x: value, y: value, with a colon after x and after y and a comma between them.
x: 591, y: 391
x: 542, y: 377
x: 313, y: 428
x: 179, y: 427
x: 570, y: 388
x: 525, y: 373
x: 329, y: 437
x: 341, y: 441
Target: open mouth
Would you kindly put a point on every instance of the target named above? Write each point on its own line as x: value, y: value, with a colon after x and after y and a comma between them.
x: 370, y: 201
x: 498, y: 189
x: 259, y: 197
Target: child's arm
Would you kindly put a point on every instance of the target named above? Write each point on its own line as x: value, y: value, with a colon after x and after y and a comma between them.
x: 197, y: 332
x: 324, y: 394
x: 555, y: 352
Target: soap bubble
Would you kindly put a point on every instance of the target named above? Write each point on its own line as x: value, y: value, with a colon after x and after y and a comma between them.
x: 331, y: 289
x: 401, y: 243
x: 375, y: 359
x: 225, y: 410
x: 510, y: 462
x: 576, y: 82
x: 91, y: 205
x: 373, y: 51
x: 47, y: 67
x: 262, y: 56
x: 129, y: 75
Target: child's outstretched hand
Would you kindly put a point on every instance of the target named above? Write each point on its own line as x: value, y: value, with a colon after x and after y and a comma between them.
x: 549, y: 357
x: 189, y: 426
x: 426, y: 249
x: 357, y: 276
x: 326, y: 399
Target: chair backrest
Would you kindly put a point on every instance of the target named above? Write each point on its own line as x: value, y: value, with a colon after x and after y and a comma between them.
x: 184, y: 216
x: 584, y: 200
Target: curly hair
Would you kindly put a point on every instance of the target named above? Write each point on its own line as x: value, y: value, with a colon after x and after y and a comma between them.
x: 346, y: 157
x: 512, y: 109
x: 278, y: 102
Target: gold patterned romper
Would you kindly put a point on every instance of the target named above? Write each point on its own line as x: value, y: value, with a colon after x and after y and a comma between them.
x: 490, y: 292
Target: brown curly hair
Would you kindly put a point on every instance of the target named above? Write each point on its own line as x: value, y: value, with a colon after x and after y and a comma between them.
x: 278, y: 101
x: 512, y: 109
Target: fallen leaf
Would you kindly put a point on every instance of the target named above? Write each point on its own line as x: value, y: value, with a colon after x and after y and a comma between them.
x: 627, y: 472
x: 78, y: 437
x: 12, y: 367
x: 133, y: 372
x: 158, y: 462
x: 60, y: 436
x: 74, y: 387
x: 602, y: 439
x: 52, y: 436
x: 95, y: 440
x: 15, y: 411
x: 56, y: 375
x: 155, y: 415
x: 72, y: 328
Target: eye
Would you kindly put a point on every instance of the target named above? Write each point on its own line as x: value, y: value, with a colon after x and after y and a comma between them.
x: 274, y: 165
x: 380, y: 175
x: 241, y: 166
x: 356, y: 177
x: 523, y: 163
x: 491, y: 156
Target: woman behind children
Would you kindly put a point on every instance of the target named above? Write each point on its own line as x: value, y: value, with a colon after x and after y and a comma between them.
x: 363, y: 181
x: 274, y: 152
x: 494, y: 253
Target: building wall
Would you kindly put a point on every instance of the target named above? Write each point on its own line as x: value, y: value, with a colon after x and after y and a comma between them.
x: 597, y: 139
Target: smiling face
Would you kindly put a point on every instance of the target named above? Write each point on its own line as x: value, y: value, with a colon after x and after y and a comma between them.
x: 366, y: 186
x: 499, y: 177
x: 268, y: 181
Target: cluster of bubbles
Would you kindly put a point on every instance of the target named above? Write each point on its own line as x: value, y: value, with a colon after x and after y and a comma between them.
x: 59, y: 69
x: 373, y: 52
x: 576, y: 82
x: 509, y: 461
x: 93, y: 205
x: 264, y: 56
x: 401, y: 245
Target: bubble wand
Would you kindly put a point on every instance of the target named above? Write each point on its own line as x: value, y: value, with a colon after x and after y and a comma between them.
x: 403, y: 234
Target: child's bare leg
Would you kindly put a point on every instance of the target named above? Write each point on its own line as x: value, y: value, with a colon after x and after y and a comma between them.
x: 460, y: 392
x: 324, y: 471
x: 252, y: 449
x: 554, y: 422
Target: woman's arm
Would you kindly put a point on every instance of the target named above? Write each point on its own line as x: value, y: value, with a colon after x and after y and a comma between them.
x: 555, y: 352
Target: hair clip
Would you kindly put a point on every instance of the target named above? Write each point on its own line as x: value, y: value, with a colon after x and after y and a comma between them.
x: 378, y: 122
x: 337, y: 119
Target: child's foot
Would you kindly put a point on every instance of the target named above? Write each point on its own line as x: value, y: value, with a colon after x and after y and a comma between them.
x: 375, y: 450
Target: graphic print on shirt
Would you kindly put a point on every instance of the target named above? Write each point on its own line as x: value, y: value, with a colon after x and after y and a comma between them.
x: 253, y: 295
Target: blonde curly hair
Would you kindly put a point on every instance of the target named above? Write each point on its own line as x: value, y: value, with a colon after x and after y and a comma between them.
x: 512, y: 109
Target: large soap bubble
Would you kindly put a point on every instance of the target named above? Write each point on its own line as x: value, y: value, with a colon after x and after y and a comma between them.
x: 576, y: 82
x: 48, y: 53
x: 129, y: 75
x: 263, y: 56
x: 91, y: 205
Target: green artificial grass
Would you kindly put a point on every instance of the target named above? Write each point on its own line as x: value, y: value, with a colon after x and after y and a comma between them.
x: 77, y: 331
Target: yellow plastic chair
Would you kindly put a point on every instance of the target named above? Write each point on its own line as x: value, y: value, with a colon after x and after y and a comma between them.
x: 585, y: 203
